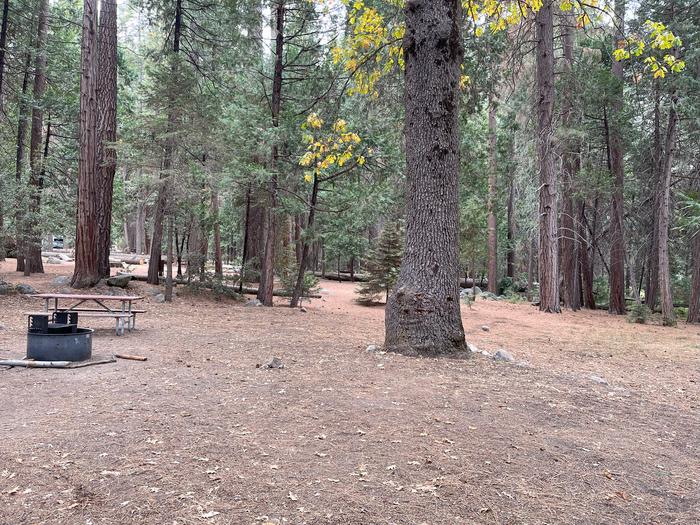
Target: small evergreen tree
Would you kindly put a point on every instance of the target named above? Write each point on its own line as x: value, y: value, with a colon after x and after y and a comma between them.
x: 383, y: 264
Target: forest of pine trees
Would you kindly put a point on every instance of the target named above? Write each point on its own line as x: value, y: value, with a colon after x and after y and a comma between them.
x: 555, y: 144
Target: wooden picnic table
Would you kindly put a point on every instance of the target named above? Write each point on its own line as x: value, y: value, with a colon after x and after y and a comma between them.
x: 124, y: 312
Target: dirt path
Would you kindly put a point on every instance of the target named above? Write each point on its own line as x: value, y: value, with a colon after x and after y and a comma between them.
x: 199, y: 434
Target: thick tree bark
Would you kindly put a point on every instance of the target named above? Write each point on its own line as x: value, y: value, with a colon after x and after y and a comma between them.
x: 156, y: 250
x: 548, y: 214
x: 570, y: 291
x: 617, y: 204
x: 652, y: 288
x: 86, y: 272
x: 107, y: 129
x: 267, y: 266
x: 667, y: 312
x: 585, y: 263
x: 423, y: 311
x: 491, y: 204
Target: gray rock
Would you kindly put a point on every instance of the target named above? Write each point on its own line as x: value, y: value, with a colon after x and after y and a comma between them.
x: 120, y: 281
x: 153, y: 291
x: 599, y: 380
x: 473, y: 349
x: 303, y: 310
x: 63, y: 280
x: 485, y: 328
x: 275, y: 362
x: 476, y: 290
x: 25, y: 289
x: 373, y: 349
x: 503, y: 355
x: 54, y: 260
x: 253, y: 302
x: 160, y: 298
x: 488, y: 296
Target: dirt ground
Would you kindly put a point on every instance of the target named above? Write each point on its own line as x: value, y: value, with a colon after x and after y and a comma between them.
x: 597, y: 422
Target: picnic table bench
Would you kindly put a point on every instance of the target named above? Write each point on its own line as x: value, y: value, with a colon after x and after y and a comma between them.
x: 124, y: 315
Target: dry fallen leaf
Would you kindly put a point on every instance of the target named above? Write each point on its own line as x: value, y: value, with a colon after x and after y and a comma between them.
x: 210, y: 514
x: 293, y: 496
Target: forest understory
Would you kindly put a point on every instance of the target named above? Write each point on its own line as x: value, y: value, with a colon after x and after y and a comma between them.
x: 595, y: 422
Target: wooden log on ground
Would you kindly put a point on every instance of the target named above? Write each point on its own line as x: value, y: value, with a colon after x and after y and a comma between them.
x: 343, y: 277
x: 131, y: 357
x: 276, y: 293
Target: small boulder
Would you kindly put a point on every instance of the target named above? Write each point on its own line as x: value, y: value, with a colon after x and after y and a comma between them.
x: 488, y: 296
x: 373, y: 349
x: 160, y: 298
x: 503, y: 355
x: 476, y: 290
x: 54, y: 260
x: 599, y: 380
x: 25, y: 289
x: 485, y: 328
x: 253, y: 302
x: 275, y: 363
x: 120, y: 281
x: 62, y: 280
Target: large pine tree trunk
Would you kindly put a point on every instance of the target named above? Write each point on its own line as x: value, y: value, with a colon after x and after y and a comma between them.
x: 510, y: 254
x: 570, y: 291
x: 156, y: 250
x: 267, y: 266
x: 667, y: 312
x: 491, y: 204
x: 617, y: 204
x: 86, y: 272
x: 423, y: 311
x: 107, y: 129
x: 549, y: 235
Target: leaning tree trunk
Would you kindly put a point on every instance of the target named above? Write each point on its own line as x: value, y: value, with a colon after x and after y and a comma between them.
x: 491, y: 204
x: 156, y: 250
x: 32, y: 235
x: 617, y: 203
x: 107, y: 129
x: 667, y: 312
x: 549, y: 235
x: 86, y: 265
x: 423, y: 311
x: 267, y: 266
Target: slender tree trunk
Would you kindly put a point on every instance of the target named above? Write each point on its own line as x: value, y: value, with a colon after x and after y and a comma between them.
x: 107, y: 129
x: 510, y: 254
x: 586, y: 267
x: 423, y: 310
x: 244, y: 255
x: 491, y: 204
x: 218, y: 261
x: 166, y: 173
x: 20, y: 163
x: 267, y: 267
x: 652, y: 288
x: 667, y: 312
x: 3, y: 43
x: 617, y: 204
x: 32, y: 235
x: 570, y: 291
x: 169, y: 271
x: 86, y: 272
x: 306, y: 245
x: 548, y: 214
